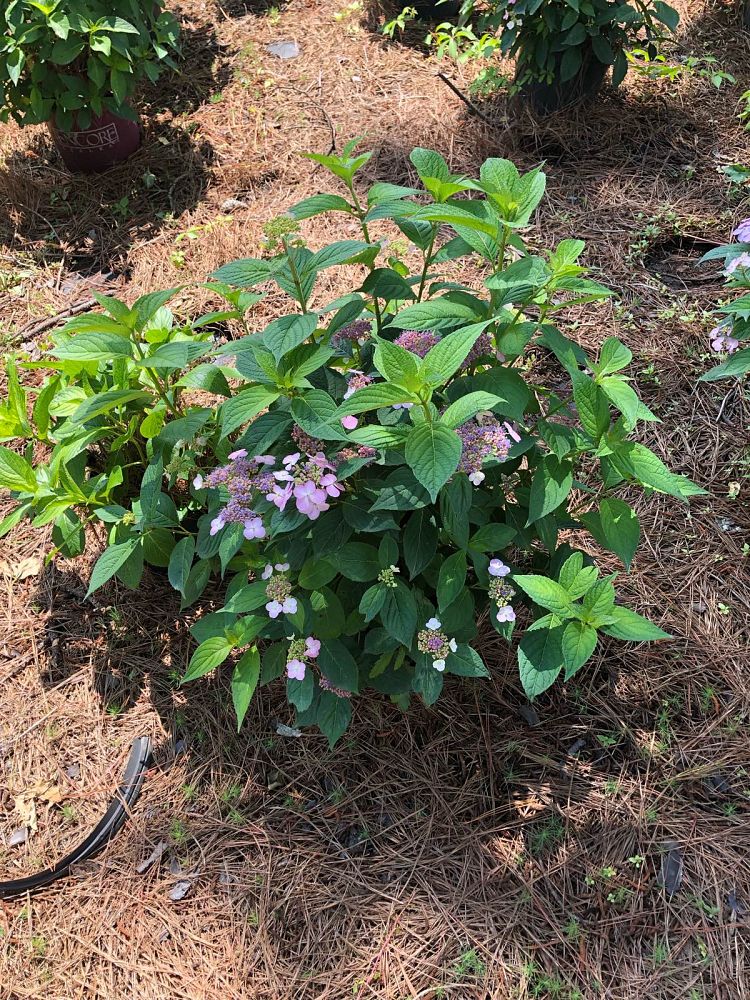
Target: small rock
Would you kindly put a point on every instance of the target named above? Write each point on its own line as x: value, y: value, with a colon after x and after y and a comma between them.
x: 283, y: 730
x: 717, y: 784
x: 672, y: 863
x: 283, y: 50
x: 180, y: 890
x: 175, y: 868
x: 529, y: 715
x: 231, y: 204
x: 18, y: 837
x: 153, y: 857
x: 73, y: 772
x: 164, y: 936
x: 575, y: 748
x: 737, y: 907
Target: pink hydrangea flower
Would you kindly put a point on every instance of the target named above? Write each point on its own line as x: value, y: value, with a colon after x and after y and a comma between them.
x: 349, y: 423
x: 240, y: 453
x: 254, y: 528
x: 288, y: 607
x: 295, y: 670
x: 506, y: 614
x: 742, y: 232
x: 498, y: 568
x: 312, y: 647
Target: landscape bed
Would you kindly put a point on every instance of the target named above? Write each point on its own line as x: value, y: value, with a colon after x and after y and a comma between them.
x: 484, y: 847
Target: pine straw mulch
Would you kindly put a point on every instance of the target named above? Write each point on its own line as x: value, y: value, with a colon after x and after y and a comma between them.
x: 479, y: 849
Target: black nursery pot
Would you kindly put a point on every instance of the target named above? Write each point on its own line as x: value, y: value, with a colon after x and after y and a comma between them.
x: 108, y: 139
x: 547, y: 98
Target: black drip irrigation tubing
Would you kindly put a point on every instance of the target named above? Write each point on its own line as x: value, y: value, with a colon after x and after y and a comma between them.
x: 111, y: 822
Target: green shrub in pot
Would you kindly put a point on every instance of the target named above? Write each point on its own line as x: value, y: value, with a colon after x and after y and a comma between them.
x: 72, y: 62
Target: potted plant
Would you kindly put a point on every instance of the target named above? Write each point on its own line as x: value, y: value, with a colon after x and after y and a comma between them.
x: 563, y: 50
x: 75, y: 65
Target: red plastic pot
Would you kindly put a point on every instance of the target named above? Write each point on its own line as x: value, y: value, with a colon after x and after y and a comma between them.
x: 108, y: 139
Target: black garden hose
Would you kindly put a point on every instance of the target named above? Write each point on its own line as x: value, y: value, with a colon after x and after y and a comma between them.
x: 110, y: 823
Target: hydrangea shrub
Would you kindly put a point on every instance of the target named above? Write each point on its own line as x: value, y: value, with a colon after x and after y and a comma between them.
x: 733, y: 330
x: 380, y: 475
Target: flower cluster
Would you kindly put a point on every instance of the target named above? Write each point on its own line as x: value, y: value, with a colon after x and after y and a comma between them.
x: 419, y: 342
x: 501, y: 592
x: 242, y: 479
x: 279, y: 591
x: 387, y: 577
x: 357, y: 380
x: 326, y: 685
x: 483, y: 347
x: 481, y: 441
x: 310, y: 482
x: 364, y: 451
x: 357, y: 332
x: 435, y: 643
x: 299, y: 652
x: 306, y: 444
x: 721, y: 341
x: 739, y: 263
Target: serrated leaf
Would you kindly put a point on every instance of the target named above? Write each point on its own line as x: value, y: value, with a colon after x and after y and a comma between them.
x: 180, y: 562
x: 552, y: 482
x: 338, y: 665
x: 241, y: 409
x: 399, y: 613
x: 433, y: 453
x: 110, y: 561
x: 420, y: 541
x: 632, y: 627
x: 451, y: 578
x: 244, y: 682
x: 15, y: 471
x: 333, y: 716
x: 578, y: 643
x: 546, y: 593
x: 540, y: 657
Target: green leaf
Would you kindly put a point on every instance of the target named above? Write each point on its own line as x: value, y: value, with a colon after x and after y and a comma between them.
x: 578, y: 643
x: 316, y: 413
x: 623, y: 397
x: 435, y: 314
x: 196, y: 583
x: 385, y: 283
x: 540, y: 655
x: 446, y: 357
x: 288, y: 332
x: 94, y: 347
x: 427, y: 682
x: 599, y: 602
x: 110, y: 561
x: 15, y: 471
x: 632, y: 627
x: 399, y: 613
x: 244, y: 682
x: 639, y: 462
x: 401, y: 491
x: 372, y: 601
x: 301, y: 693
x: 433, y: 453
x: 616, y: 527
x: 316, y: 573
x: 420, y: 541
x: 465, y: 407
x: 341, y: 252
x: 244, y: 273
x: 317, y: 205
x: 466, y: 662
x: 241, y: 409
x: 734, y: 367
x: 180, y: 562
x: 68, y: 534
x: 571, y: 62
x: 373, y: 397
x: 451, y: 579
x: 592, y: 405
x: 546, y: 593
x: 376, y: 436
x: 248, y: 598
x: 358, y: 561
x: 492, y: 537
x: 333, y: 716
x: 210, y: 654
x: 552, y: 482
x: 456, y: 499
x: 396, y: 364
x: 150, y: 490
x: 104, y: 402
x: 338, y: 665
x: 613, y: 357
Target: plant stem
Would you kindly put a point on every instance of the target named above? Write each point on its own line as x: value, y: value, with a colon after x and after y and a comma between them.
x: 295, y: 276
x: 427, y: 261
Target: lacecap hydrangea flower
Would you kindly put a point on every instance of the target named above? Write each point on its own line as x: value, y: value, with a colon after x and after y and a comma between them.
x: 435, y: 644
